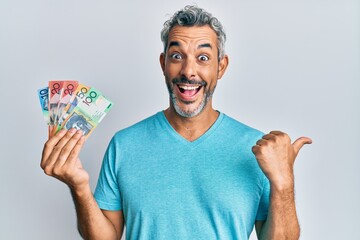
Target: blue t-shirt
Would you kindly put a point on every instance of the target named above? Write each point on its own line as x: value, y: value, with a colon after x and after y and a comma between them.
x: 171, y: 188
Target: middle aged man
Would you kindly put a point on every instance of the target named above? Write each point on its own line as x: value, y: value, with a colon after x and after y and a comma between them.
x: 190, y: 171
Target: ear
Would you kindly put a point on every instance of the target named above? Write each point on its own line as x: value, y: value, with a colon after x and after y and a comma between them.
x: 162, y: 61
x: 223, y: 63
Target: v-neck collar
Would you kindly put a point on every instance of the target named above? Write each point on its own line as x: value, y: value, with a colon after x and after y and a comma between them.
x: 164, y: 122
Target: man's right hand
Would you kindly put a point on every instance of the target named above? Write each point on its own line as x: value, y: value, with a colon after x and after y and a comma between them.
x: 60, y: 159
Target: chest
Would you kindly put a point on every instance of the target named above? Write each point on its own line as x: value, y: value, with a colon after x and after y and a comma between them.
x: 165, y: 181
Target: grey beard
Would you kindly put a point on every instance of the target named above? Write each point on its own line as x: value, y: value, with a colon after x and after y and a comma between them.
x: 188, y: 114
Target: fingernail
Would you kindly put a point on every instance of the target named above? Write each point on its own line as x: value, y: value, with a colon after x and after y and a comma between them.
x: 80, y: 132
x: 72, y: 130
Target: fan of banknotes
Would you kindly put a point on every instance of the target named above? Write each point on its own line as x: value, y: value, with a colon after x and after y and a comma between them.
x: 68, y: 104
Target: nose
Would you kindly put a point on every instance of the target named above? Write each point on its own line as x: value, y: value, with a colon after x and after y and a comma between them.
x: 188, y: 69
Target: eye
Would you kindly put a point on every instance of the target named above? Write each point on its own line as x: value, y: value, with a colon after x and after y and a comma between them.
x: 176, y: 56
x: 203, y: 58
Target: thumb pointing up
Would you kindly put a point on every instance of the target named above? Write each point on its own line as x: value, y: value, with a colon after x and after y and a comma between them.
x: 299, y: 143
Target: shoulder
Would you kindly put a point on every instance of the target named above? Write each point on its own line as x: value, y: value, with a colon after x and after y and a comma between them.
x: 240, y: 130
x: 137, y: 131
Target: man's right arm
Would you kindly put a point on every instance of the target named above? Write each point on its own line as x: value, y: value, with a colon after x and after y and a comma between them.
x: 94, y: 223
x: 60, y: 160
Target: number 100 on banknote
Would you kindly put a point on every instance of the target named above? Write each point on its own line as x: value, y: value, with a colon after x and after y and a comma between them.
x: 89, y: 112
x: 68, y: 104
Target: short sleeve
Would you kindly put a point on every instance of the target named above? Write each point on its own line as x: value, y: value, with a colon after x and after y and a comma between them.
x: 264, y: 201
x: 107, y: 192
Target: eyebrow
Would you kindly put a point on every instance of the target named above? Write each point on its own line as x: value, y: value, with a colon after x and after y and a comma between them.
x: 177, y: 44
x: 174, y: 43
x: 205, y: 45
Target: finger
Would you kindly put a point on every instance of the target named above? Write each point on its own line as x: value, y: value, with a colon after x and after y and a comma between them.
x: 269, y: 136
x: 278, y: 135
x: 49, y: 146
x: 49, y: 131
x: 277, y: 132
x: 68, y: 148
x: 300, y: 142
x: 255, y: 149
x: 261, y: 142
x: 59, y: 146
x: 73, y: 156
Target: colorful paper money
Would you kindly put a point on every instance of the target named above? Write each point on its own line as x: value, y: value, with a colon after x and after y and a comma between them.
x: 43, y: 94
x: 54, y: 98
x: 88, y: 113
x: 68, y: 104
x: 80, y: 93
x: 67, y: 92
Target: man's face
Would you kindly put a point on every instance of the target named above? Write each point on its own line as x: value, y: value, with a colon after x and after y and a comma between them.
x: 191, y: 68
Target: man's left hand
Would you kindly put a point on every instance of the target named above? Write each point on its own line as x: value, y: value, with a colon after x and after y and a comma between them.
x: 276, y: 156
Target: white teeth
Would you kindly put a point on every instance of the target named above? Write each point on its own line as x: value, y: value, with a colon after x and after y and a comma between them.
x: 185, y: 87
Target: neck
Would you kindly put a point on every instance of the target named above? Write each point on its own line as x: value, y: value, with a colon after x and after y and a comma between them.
x: 194, y: 127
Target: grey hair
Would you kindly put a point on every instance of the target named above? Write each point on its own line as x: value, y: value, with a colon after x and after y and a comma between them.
x: 194, y: 16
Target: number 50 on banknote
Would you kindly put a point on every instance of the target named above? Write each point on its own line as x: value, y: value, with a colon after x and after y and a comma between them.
x: 81, y: 107
x: 88, y: 113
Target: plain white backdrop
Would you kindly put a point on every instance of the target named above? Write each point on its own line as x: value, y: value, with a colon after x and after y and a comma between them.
x: 294, y: 66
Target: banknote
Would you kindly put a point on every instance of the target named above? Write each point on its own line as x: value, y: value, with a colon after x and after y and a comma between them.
x: 88, y: 113
x: 79, y: 94
x: 54, y: 98
x: 43, y: 94
x: 67, y: 92
x: 69, y: 104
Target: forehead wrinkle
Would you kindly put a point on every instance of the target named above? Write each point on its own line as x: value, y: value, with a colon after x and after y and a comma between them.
x: 187, y: 36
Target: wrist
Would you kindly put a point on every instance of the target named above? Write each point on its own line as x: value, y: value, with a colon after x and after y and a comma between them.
x: 283, y: 184
x: 81, y: 191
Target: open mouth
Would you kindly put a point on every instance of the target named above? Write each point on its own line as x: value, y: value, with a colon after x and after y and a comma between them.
x: 189, y: 91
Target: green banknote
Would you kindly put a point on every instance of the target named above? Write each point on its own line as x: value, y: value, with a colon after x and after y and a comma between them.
x: 88, y: 113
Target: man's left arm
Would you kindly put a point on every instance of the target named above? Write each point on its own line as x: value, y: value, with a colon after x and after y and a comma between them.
x: 276, y: 156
